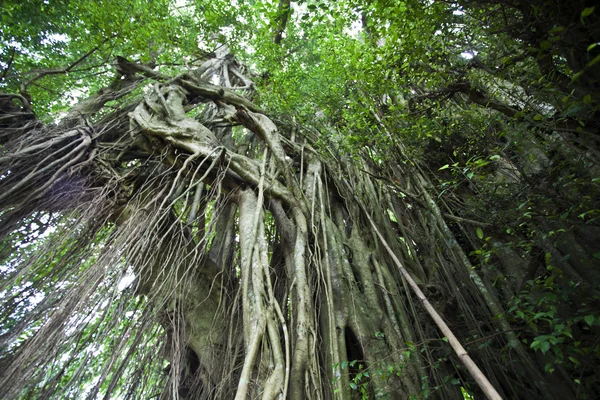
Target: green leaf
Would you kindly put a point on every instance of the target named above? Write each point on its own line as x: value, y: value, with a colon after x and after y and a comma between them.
x: 479, y: 233
x: 594, y: 61
x: 587, y: 99
x: 538, y: 117
x: 591, y: 46
x: 495, y: 157
x: 577, y: 75
x: 539, y: 315
x: 535, y: 344
x: 574, y: 360
x: 589, y: 319
x: 444, y: 167
x: 545, y: 45
x: 587, y: 12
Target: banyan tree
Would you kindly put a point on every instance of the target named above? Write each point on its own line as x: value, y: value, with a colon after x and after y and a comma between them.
x: 175, y: 234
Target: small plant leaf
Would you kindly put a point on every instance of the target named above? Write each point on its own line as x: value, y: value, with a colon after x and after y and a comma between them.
x: 480, y: 233
x: 587, y: 12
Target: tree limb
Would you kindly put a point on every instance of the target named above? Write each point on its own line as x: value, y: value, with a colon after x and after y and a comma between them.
x: 283, y: 13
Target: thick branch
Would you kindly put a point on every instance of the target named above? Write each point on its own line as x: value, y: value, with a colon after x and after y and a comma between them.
x: 214, y: 92
x: 283, y: 13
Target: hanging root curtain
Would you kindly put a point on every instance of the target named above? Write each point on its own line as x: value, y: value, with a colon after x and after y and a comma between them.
x: 187, y: 244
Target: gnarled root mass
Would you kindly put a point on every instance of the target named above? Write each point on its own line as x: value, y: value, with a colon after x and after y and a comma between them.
x: 187, y: 242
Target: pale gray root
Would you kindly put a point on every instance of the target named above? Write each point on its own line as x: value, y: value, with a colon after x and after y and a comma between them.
x: 265, y: 270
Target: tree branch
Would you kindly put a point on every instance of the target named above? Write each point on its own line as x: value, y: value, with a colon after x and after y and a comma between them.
x: 466, y: 221
x: 283, y: 13
x: 8, y: 65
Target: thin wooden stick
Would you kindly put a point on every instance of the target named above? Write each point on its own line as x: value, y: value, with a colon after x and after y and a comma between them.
x: 460, y: 351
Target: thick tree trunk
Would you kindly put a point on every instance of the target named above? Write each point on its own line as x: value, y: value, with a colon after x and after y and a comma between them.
x: 271, y: 270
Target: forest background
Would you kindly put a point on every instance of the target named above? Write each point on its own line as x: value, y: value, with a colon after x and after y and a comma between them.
x: 215, y: 199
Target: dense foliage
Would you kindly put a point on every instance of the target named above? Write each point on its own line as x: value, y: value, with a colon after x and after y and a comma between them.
x: 215, y: 199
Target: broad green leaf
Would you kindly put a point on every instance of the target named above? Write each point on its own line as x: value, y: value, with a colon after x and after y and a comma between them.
x: 545, y: 45
x: 589, y: 319
x: 587, y: 12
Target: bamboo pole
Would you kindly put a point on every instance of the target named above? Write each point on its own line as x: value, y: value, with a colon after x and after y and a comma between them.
x: 479, y: 377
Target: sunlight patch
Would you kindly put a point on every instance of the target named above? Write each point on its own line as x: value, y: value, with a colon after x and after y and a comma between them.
x: 125, y: 281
